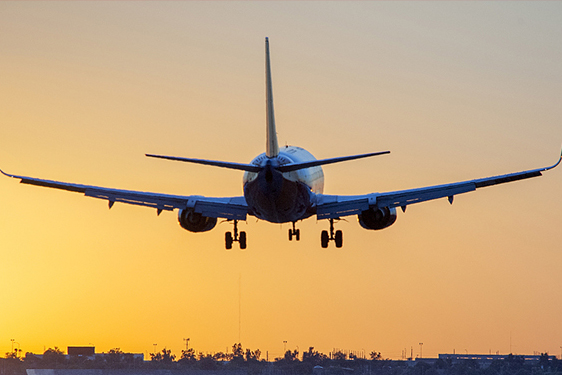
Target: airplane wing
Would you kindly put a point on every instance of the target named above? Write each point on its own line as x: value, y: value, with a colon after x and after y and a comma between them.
x: 232, y: 208
x: 335, y: 206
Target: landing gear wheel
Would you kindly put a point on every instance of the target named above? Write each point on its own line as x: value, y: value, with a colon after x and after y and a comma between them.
x: 339, y: 238
x: 294, y: 232
x: 324, y: 238
x: 228, y: 240
x: 242, y: 240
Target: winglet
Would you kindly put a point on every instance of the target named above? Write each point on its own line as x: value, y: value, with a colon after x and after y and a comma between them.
x: 271, y: 146
x: 555, y: 165
x: 6, y: 174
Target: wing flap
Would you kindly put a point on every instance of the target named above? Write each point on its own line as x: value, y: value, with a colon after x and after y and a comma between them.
x: 334, y: 206
x: 506, y: 178
x: 407, y: 197
x: 157, y: 201
x: 230, y: 211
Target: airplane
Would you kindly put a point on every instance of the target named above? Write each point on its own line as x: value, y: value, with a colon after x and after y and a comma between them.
x: 282, y: 185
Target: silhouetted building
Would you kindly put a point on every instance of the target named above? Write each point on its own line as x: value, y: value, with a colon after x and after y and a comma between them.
x: 84, y: 351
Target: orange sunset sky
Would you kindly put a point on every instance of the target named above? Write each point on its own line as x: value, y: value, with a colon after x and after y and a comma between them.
x: 456, y: 90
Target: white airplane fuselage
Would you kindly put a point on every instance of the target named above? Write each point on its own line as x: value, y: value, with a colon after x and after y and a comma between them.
x: 283, y: 197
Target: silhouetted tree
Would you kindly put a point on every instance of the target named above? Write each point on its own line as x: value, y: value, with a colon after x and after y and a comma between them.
x: 207, y: 362
x: 252, y: 355
x: 53, y: 358
x: 544, y: 361
x: 375, y: 356
x: 164, y: 359
x: 237, y: 358
x: 11, y: 355
x: 114, y: 358
x: 339, y: 356
x: 313, y: 356
x: 291, y: 356
x: 188, y: 358
x: 237, y: 351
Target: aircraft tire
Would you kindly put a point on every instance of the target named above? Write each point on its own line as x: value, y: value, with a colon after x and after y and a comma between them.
x: 228, y: 240
x: 339, y: 238
x: 298, y: 234
x: 290, y: 234
x: 242, y: 240
x: 324, y: 238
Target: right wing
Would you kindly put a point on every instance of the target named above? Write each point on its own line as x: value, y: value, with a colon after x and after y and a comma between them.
x: 231, y: 208
x: 335, y: 206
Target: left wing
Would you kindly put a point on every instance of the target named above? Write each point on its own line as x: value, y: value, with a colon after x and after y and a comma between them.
x: 335, y: 206
x: 232, y: 208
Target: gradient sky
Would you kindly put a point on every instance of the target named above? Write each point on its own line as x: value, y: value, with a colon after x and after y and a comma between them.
x: 456, y: 90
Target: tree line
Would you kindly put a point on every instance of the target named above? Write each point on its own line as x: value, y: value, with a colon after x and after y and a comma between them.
x: 251, y: 362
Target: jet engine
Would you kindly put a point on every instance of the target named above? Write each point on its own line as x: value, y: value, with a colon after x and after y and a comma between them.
x: 195, y: 222
x: 377, y: 218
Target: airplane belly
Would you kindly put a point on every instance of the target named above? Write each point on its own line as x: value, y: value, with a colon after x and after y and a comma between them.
x: 277, y: 199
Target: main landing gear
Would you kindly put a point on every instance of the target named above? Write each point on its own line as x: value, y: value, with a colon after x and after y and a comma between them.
x: 229, y: 238
x: 325, y: 237
x: 294, y: 232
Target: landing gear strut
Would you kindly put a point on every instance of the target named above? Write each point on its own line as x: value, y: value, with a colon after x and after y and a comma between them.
x: 327, y: 237
x: 294, y: 232
x: 229, y: 238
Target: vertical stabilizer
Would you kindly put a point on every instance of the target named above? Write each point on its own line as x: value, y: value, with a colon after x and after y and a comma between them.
x: 271, y: 146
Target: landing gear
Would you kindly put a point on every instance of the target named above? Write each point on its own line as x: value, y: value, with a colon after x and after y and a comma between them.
x: 326, y: 237
x: 229, y: 238
x: 294, y: 232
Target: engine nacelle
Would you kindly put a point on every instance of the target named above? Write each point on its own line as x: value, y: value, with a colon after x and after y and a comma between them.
x: 377, y: 218
x: 195, y: 222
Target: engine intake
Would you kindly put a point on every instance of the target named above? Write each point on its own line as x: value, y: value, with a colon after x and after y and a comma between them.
x: 195, y: 222
x: 377, y: 218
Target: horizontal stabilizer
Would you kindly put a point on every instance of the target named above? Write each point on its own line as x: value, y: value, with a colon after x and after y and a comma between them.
x: 314, y: 163
x: 223, y: 164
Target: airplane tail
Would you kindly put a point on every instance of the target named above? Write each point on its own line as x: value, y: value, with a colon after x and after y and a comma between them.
x: 271, y: 146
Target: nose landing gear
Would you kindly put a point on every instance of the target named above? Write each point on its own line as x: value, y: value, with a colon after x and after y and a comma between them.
x: 294, y: 232
x: 229, y: 238
x: 327, y: 237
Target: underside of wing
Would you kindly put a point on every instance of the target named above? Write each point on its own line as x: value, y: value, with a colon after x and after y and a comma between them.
x: 334, y: 206
x: 232, y: 208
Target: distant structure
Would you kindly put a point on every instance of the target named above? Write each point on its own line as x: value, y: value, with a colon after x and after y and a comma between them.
x: 483, y: 360
x: 82, y: 351
x: 88, y: 352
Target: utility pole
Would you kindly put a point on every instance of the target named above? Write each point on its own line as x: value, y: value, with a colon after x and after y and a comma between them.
x: 421, y: 349
x: 186, y: 344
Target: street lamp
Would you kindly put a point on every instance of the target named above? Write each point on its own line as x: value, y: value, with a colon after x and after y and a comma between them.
x: 421, y: 349
x: 284, y: 347
x: 154, y: 351
x: 186, y: 343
